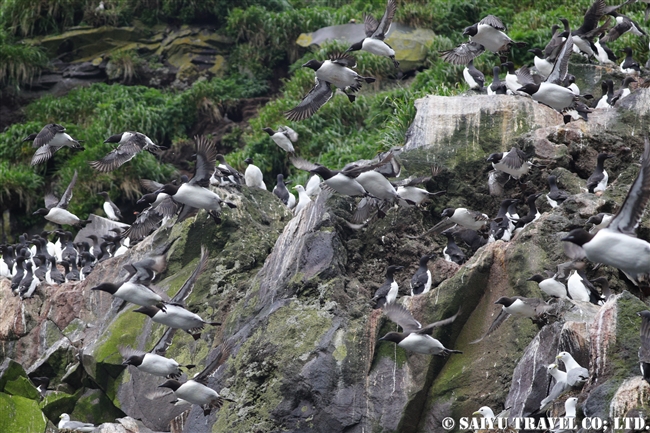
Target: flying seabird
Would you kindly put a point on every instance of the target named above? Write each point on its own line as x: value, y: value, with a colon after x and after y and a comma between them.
x: 470, y: 219
x: 375, y: 34
x: 617, y: 245
x: 253, y: 175
x: 584, y: 35
x: 598, y: 180
x: 110, y: 209
x: 51, y: 138
x: 56, y: 210
x: 284, y: 137
x: 421, y: 280
x: 152, y: 363
x: 130, y: 143
x: 335, y: 71
x: 512, y: 162
x: 624, y: 24
x: 387, y: 292
x: 414, y: 337
x: 177, y: 317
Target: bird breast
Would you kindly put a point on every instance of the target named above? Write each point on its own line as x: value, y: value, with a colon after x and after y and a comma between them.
x: 340, y: 76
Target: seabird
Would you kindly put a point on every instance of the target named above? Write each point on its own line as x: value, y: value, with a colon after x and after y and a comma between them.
x: 452, y: 252
x: 470, y: 219
x: 584, y: 35
x: 533, y: 308
x: 497, y: 87
x: 135, y: 292
x: 78, y: 426
x: 414, y: 337
x: 51, y: 138
x: 284, y: 137
x: 413, y: 195
x: 598, y: 180
x: 56, y: 210
x: 313, y: 186
x: 644, y: 350
x: 195, y: 193
x: 280, y: 190
x: 378, y: 186
x: 629, y: 65
x: 575, y: 374
x: 561, y: 386
x: 110, y: 209
x: 625, y: 88
x: 421, y: 280
x: 556, y: 196
x: 624, y: 24
x: 604, y: 55
x: 130, y: 144
x: 532, y: 215
x: 555, y: 286
x: 177, y: 317
x: 387, y: 292
x: 607, y: 100
x: 29, y: 283
x: 543, y: 65
x: 512, y: 162
x: 152, y: 363
x: 581, y: 289
x: 253, y: 175
x: 195, y: 393
x: 516, y: 78
x: 473, y: 77
x: 335, y: 71
x: 375, y: 34
x: 617, y: 245
x: 230, y: 174
x: 501, y: 227
x: 303, y: 199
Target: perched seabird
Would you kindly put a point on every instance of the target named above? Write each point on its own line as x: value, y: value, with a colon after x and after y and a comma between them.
x: 644, y: 350
x: 56, y: 210
x: 516, y: 78
x: 532, y: 215
x: 284, y: 137
x: 605, y: 55
x: 387, y: 292
x: 617, y: 245
x: 152, y: 363
x: 177, y: 317
x: 532, y: 308
x: 232, y: 176
x: 560, y: 387
x: 335, y: 71
x: 497, y: 87
x: 375, y: 34
x: 473, y: 77
x: 29, y: 283
x: 452, y: 252
x: 555, y: 286
x: 581, y: 289
x: 78, y: 426
x: 543, y: 65
x: 110, y: 209
x: 501, y: 227
x: 303, y: 199
x: 625, y: 88
x: 414, y: 337
x: 512, y: 162
x: 421, y: 280
x: 607, y: 100
x: 253, y: 175
x: 313, y: 186
x: 465, y: 217
x: 280, y: 190
x: 130, y: 143
x: 195, y: 193
x: 598, y: 180
x: 629, y: 65
x: 51, y: 139
x: 556, y: 196
x: 575, y: 374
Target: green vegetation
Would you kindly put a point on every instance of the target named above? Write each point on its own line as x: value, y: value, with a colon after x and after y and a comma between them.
x: 18, y: 62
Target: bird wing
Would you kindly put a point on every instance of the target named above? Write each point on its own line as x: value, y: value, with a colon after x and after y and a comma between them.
x: 493, y: 21
x: 514, y: 159
x: 67, y: 195
x: 564, y: 269
x: 150, y: 185
x: 186, y: 288
x: 631, y: 212
x: 382, y: 28
x: 42, y: 154
x: 412, y: 181
x: 117, y: 157
x: 355, y: 170
x: 370, y: 24
x: 128, y: 352
x: 206, y: 157
x: 311, y: 103
x: 524, y: 76
x: 148, y: 220
x: 462, y: 54
x: 290, y: 133
x: 498, y: 321
x: 219, y: 357
x: 51, y: 200
x: 561, y: 65
x: 430, y: 327
x: 617, y: 31
x: 592, y: 16
x: 303, y: 164
x: 47, y: 134
x: 403, y: 317
x: 343, y: 59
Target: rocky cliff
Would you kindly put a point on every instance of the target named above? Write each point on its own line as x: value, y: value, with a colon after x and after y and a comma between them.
x: 293, y: 295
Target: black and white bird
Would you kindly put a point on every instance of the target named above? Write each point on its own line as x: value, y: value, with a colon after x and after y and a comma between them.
x: 624, y: 24
x: 177, y: 317
x: 56, y: 210
x: 421, y: 280
x: 581, y: 289
x: 607, y: 100
x: 110, y: 209
x: 583, y: 36
x: 543, y: 65
x: 335, y: 71
x: 66, y: 424
x: 512, y: 162
x: 644, y: 349
x: 414, y: 337
x: 556, y: 196
x: 497, y: 87
x: 152, y: 363
x: 134, y: 291
x: 284, y: 137
x: 629, y: 65
x: 280, y: 190
x: 387, y: 292
x: 598, y: 179
x: 533, y: 213
x: 228, y: 175
x: 468, y: 218
x: 452, y: 252
x: 473, y: 77
x: 599, y: 221
x: 576, y: 375
x: 130, y: 143
x: 49, y: 140
x: 253, y: 175
x: 29, y: 283
x: 625, y: 90
x: 617, y: 245
x: 376, y: 32
x: 605, y: 55
x: 501, y: 228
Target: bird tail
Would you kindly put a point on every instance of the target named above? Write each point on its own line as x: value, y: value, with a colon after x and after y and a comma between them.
x: 369, y: 79
x: 520, y: 44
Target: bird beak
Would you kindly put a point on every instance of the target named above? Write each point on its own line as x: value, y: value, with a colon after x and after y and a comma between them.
x: 476, y: 413
x: 558, y: 357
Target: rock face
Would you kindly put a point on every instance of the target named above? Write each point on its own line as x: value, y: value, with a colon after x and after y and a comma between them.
x: 293, y: 295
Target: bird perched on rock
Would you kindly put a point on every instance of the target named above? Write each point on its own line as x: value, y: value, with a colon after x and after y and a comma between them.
x: 280, y: 190
x: 375, y: 34
x: 303, y: 199
x: 50, y: 140
x: 452, y: 252
x: 414, y: 337
x: 575, y: 374
x: 335, y: 71
x: 629, y: 65
x: 78, y: 426
x: 473, y: 77
x: 421, y: 280
x: 56, y: 210
x: 556, y: 196
x: 284, y: 137
x: 497, y: 87
x: 130, y: 143
x: 110, y: 209
x: 560, y: 387
x: 253, y: 175
x: 387, y: 292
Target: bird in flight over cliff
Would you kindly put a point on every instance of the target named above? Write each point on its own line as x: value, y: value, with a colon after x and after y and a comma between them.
x: 375, y: 34
x: 49, y: 141
x: 130, y: 144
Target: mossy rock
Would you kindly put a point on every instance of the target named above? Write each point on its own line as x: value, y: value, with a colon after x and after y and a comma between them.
x: 56, y: 403
x: 20, y: 414
x: 95, y: 407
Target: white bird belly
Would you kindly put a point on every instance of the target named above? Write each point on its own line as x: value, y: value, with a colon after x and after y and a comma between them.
x: 198, y: 197
x: 375, y: 46
x: 61, y: 216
